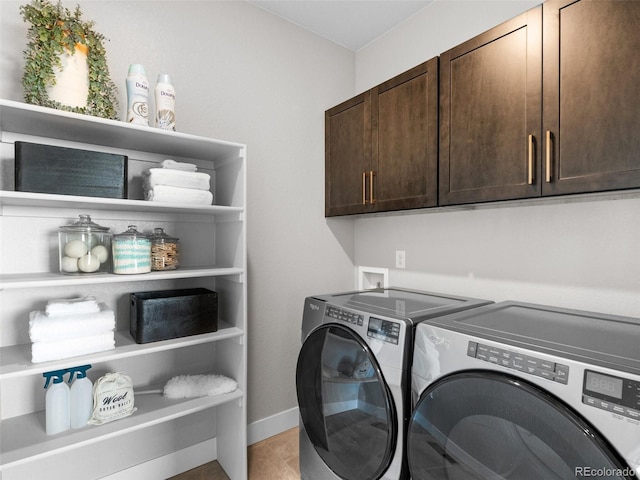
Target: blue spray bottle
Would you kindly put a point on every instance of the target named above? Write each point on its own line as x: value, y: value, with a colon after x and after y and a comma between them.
x: 57, y: 413
x: 81, y: 404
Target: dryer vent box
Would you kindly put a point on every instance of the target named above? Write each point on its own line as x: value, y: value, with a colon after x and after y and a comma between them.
x: 372, y: 277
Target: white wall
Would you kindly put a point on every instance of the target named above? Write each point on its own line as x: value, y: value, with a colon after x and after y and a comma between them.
x: 439, y: 26
x: 244, y: 75
x: 578, y: 252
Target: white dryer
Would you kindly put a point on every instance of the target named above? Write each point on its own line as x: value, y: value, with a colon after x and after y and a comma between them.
x: 516, y: 391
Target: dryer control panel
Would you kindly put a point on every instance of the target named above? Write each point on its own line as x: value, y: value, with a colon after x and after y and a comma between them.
x: 615, y: 394
x: 539, y: 367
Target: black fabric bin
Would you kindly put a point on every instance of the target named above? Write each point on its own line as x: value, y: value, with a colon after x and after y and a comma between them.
x: 167, y: 314
x: 69, y: 171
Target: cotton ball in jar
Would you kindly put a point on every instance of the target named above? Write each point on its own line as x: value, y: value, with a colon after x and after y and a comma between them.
x: 69, y: 264
x: 88, y: 263
x: 101, y: 252
x: 75, y: 249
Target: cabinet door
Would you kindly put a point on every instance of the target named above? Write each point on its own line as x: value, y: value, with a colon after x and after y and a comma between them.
x: 490, y: 114
x: 348, y: 156
x: 405, y: 139
x: 591, y: 95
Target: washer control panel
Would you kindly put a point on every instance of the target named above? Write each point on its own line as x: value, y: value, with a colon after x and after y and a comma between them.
x: 517, y: 361
x: 384, y: 330
x: 345, y: 316
x: 377, y: 328
x: 615, y: 394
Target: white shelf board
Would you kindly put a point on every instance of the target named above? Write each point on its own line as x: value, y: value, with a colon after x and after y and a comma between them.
x: 48, y: 279
x: 15, y: 360
x: 47, y: 200
x: 22, y: 118
x: 24, y: 438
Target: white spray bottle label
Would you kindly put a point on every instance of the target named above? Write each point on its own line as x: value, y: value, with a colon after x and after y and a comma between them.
x: 165, y: 96
x: 137, y: 95
x: 57, y: 410
x: 81, y: 403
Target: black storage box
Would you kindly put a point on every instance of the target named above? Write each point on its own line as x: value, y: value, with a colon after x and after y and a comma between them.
x: 69, y: 171
x: 167, y: 314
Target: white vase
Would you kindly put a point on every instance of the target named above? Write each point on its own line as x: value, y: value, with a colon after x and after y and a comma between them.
x: 71, y: 79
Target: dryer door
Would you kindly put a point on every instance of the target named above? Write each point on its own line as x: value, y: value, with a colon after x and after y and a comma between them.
x: 345, y: 404
x: 485, y: 425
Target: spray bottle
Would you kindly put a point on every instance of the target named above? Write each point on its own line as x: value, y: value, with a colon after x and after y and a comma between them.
x: 165, y: 103
x: 81, y: 403
x: 56, y: 402
x: 137, y: 95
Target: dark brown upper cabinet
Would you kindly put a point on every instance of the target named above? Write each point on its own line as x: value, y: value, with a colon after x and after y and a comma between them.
x: 545, y: 104
x: 381, y: 147
x: 591, y: 96
x: 490, y: 114
x: 347, y: 155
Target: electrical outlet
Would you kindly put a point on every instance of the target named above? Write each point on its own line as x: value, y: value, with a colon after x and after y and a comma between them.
x: 400, y: 259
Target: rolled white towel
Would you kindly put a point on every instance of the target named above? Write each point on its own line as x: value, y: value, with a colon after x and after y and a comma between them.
x: 175, y: 178
x: 168, y: 194
x: 173, y: 165
x: 44, y: 328
x: 69, y: 306
x: 73, y: 347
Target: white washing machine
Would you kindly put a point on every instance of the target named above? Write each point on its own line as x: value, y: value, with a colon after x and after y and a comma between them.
x: 353, y: 380
x: 517, y: 391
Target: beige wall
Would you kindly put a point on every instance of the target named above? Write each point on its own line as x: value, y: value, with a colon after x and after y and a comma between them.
x: 244, y: 75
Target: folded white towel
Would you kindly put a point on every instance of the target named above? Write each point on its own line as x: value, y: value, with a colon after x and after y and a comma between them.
x: 175, y: 178
x: 166, y: 193
x: 44, y: 328
x: 173, y: 165
x: 47, y: 351
x: 68, y: 306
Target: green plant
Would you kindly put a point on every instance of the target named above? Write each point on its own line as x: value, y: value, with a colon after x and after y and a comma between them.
x: 53, y: 31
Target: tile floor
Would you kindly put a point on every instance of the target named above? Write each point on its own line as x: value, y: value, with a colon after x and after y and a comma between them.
x: 275, y: 458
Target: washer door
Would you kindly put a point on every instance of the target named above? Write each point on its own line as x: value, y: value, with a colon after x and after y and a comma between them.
x: 345, y: 404
x: 484, y: 425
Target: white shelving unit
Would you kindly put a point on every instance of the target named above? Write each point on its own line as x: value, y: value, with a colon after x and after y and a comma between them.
x: 163, y: 436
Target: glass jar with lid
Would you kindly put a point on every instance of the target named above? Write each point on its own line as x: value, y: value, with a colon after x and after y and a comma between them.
x: 84, y: 247
x: 131, y: 252
x: 164, y: 250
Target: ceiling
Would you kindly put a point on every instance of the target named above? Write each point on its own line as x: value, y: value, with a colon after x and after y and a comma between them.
x: 350, y: 23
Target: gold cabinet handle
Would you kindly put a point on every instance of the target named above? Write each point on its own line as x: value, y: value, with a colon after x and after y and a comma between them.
x: 371, y: 197
x: 548, y: 155
x: 530, y: 173
x: 364, y: 188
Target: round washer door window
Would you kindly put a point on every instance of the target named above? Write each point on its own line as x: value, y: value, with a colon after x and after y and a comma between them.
x: 483, y: 425
x: 345, y: 404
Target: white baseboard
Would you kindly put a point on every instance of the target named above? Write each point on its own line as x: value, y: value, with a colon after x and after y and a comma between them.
x: 273, y: 425
x: 170, y: 465
x: 205, y: 452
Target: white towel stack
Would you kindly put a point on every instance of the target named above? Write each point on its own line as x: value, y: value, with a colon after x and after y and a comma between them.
x: 177, y: 182
x: 71, y: 327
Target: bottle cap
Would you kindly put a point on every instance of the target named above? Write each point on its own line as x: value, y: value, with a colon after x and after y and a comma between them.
x: 164, y: 78
x: 80, y: 372
x: 136, y: 68
x: 56, y: 375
